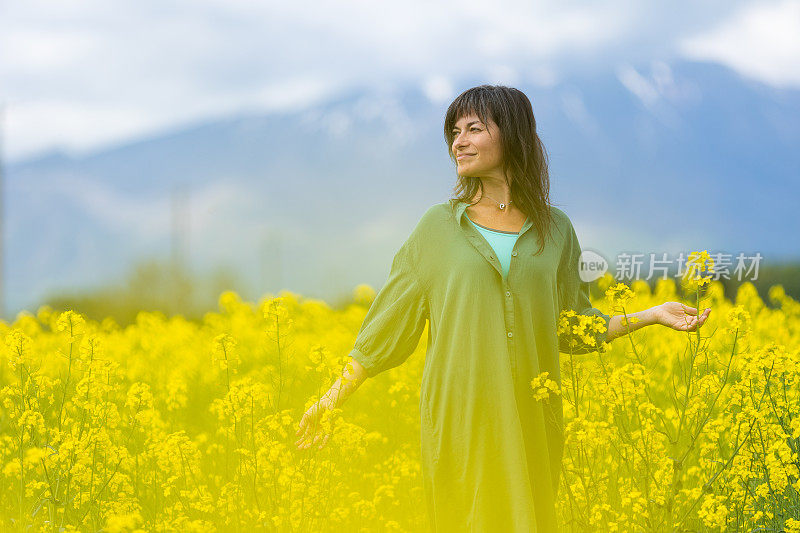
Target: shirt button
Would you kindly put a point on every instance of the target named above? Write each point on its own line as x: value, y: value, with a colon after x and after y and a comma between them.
x: 510, y: 334
x: 508, y: 293
x: 514, y: 253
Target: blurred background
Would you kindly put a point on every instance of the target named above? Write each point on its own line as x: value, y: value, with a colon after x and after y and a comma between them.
x: 155, y: 154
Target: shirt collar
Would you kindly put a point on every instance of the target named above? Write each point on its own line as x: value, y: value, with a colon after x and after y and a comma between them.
x: 461, y: 206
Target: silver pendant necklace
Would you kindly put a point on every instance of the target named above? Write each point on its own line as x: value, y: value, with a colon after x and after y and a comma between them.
x: 501, y: 206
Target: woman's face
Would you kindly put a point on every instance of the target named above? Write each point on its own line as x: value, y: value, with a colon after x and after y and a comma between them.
x: 476, y: 147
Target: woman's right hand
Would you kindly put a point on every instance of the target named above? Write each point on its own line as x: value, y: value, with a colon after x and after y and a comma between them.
x: 311, y: 427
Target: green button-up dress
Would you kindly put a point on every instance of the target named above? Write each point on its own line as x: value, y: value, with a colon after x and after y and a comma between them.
x: 491, y: 454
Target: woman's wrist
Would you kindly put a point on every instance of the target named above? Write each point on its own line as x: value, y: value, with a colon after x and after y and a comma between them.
x: 652, y: 315
x: 330, y: 398
x: 337, y: 394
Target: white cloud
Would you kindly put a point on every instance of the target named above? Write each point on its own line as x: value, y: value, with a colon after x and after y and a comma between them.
x: 43, y: 50
x: 85, y: 73
x: 438, y: 89
x: 575, y: 109
x: 761, y: 41
x: 660, y: 93
x: 32, y: 124
x: 502, y: 74
x: 149, y: 219
x: 637, y: 84
x: 142, y: 218
x: 541, y: 75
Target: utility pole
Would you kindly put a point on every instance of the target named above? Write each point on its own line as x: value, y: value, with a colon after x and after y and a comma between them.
x: 271, y: 262
x: 179, y: 244
x: 178, y: 212
x: 2, y: 219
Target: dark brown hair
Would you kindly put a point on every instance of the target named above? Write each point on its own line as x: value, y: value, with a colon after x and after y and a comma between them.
x: 524, y: 157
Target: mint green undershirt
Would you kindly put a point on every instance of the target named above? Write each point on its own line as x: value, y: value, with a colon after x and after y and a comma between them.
x: 501, y: 241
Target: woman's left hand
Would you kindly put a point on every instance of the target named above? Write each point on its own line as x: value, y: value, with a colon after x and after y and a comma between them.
x: 679, y: 316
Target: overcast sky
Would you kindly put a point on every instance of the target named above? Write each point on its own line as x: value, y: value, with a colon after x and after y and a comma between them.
x: 83, y: 74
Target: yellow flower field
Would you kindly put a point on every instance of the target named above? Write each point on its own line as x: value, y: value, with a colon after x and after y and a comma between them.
x: 169, y: 425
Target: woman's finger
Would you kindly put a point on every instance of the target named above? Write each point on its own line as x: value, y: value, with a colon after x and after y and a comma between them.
x: 310, y: 427
x: 302, y: 438
x: 307, y: 428
x: 310, y: 442
x: 303, y: 421
x: 301, y: 429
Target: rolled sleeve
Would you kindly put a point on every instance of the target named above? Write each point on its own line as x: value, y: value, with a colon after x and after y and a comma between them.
x: 396, y: 318
x: 573, y: 295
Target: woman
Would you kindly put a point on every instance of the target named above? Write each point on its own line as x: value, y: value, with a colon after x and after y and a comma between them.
x: 491, y: 269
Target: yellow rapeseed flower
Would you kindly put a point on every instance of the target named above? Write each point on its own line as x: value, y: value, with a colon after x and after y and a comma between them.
x: 543, y: 387
x: 363, y: 294
x: 696, y: 264
x: 19, y: 346
x: 618, y: 296
x: 738, y: 320
x: 224, y: 353
x: 72, y: 323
